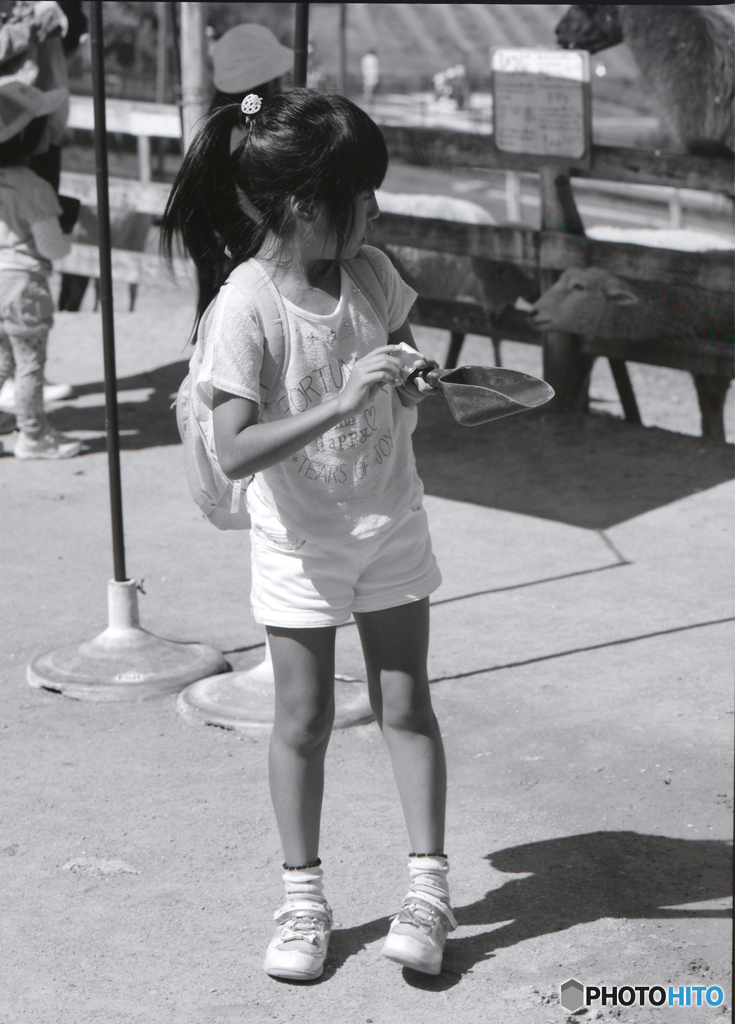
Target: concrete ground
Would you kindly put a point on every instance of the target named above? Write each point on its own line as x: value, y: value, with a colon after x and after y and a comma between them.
x: 581, y: 664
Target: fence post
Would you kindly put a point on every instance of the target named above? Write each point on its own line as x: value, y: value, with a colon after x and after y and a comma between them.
x: 343, y: 48
x: 194, y: 76
x: 566, y: 368
x: 144, y: 158
x: 513, y: 205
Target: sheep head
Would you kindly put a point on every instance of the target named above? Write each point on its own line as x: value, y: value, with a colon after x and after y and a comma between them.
x: 583, y: 302
x: 591, y: 27
x: 501, y: 284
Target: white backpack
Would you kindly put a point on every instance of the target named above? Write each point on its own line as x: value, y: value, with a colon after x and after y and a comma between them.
x: 223, y: 500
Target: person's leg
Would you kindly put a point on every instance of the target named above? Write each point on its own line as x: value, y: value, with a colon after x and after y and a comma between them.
x: 29, y: 351
x: 303, y: 665
x: 7, y: 402
x: 36, y: 439
x: 27, y: 319
x: 7, y: 362
x: 395, y: 643
x: 27, y: 315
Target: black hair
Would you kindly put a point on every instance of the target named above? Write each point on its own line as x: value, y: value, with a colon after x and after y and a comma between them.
x: 302, y: 145
x: 22, y: 145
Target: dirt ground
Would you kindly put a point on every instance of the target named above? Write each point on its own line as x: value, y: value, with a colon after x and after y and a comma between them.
x: 581, y: 671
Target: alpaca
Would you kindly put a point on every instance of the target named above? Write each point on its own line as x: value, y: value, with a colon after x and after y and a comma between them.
x: 685, y: 53
x: 598, y: 305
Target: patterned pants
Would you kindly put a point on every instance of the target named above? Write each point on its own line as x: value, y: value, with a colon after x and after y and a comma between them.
x: 26, y: 316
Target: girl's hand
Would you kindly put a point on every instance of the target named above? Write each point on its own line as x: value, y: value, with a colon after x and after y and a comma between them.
x: 379, y: 367
x: 412, y: 388
x: 416, y: 388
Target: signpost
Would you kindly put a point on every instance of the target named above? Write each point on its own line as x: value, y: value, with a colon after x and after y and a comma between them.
x: 542, y: 105
x: 542, y: 109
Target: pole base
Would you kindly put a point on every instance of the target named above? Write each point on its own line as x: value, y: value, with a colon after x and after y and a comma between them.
x: 124, y: 662
x: 244, y: 701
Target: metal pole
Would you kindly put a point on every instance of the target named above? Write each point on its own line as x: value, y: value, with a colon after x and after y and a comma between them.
x: 161, y: 62
x: 108, y: 325
x: 161, y: 9
x: 343, y: 48
x: 177, y: 65
x: 301, y: 44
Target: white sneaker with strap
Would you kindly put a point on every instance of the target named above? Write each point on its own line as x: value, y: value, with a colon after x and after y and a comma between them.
x: 299, y: 947
x: 418, y: 933
x: 50, y: 445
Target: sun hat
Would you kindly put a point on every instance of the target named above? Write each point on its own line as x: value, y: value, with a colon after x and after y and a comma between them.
x: 20, y: 104
x: 247, y: 56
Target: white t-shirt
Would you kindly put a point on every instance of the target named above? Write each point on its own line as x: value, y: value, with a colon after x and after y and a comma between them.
x: 357, y: 477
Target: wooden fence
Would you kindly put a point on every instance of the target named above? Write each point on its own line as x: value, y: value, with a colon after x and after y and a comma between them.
x: 561, y: 244
x: 558, y: 245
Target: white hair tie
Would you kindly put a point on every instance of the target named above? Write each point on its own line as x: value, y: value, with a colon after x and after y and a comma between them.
x: 251, y: 104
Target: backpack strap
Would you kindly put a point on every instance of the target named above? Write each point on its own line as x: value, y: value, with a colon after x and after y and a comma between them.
x: 253, y: 281
x: 364, y: 275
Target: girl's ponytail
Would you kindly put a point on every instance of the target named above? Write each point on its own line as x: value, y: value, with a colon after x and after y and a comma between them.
x: 204, y: 206
x: 249, y: 164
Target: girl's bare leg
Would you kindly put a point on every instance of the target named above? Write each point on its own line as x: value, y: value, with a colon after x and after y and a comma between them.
x: 395, y: 643
x: 303, y: 663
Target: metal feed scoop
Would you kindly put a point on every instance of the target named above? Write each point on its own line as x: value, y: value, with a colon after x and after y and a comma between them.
x: 478, y: 394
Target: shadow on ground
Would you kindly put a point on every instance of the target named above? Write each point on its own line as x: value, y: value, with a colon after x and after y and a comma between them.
x: 150, y: 423
x: 570, y: 881
x: 591, y: 471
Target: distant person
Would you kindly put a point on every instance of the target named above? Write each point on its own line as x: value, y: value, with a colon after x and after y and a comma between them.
x: 39, y: 36
x: 460, y: 86
x: 370, y: 69
x: 31, y: 237
x: 338, y: 524
x: 248, y: 59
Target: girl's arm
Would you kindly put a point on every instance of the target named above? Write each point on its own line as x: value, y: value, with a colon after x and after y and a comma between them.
x: 49, y: 239
x: 245, y: 446
x: 417, y: 389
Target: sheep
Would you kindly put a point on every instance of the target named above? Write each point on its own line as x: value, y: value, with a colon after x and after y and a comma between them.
x: 492, y: 284
x: 597, y: 305
x: 685, y: 53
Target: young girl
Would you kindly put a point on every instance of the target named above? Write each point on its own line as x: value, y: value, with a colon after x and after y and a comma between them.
x: 30, y: 237
x: 338, y: 527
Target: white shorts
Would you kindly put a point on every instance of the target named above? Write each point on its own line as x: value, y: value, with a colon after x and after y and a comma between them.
x: 304, y: 584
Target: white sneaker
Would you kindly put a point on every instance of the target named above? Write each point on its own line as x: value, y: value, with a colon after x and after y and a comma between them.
x: 418, y: 933
x: 51, y: 393
x: 299, y: 947
x: 50, y: 445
